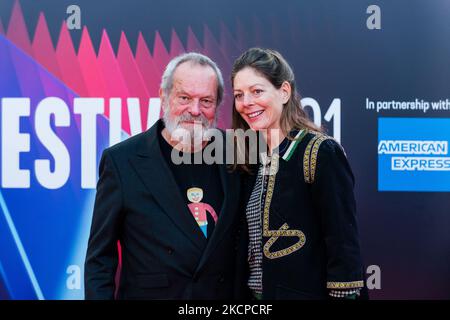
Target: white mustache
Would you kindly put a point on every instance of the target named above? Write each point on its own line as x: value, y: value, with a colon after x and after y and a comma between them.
x: 187, y: 117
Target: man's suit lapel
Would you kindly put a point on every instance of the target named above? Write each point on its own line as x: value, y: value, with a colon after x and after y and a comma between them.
x: 159, y: 180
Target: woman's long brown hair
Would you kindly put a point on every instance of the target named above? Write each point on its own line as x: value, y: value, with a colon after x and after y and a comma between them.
x: 272, y: 66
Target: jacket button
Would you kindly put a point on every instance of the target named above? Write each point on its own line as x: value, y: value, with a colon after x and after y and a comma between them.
x: 170, y: 250
x: 221, y: 279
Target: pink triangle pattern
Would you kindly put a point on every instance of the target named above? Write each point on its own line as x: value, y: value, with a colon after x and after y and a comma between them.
x: 43, y: 50
x: 89, y: 66
x: 17, y: 30
x: 68, y: 63
x: 133, y: 77
x: 114, y: 80
x: 125, y: 74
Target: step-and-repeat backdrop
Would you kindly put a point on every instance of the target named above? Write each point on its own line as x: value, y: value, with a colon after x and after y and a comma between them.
x: 376, y: 74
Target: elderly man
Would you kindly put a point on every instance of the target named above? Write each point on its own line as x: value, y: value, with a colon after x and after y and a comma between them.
x: 176, y: 223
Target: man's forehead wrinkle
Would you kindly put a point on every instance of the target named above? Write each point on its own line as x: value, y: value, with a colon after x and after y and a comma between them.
x: 190, y: 87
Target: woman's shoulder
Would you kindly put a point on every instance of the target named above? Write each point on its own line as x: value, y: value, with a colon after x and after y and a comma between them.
x: 318, y: 143
x: 317, y: 148
x: 311, y: 143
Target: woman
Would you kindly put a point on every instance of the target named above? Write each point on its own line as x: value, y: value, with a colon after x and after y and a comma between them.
x: 303, y: 238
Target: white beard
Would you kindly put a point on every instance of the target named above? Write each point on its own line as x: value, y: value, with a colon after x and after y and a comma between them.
x: 191, y: 137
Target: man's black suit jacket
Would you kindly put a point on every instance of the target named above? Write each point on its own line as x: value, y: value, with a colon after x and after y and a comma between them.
x: 164, y: 253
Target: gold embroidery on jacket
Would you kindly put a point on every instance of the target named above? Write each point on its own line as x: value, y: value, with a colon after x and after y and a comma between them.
x: 345, y: 285
x: 284, y: 230
x: 310, y: 156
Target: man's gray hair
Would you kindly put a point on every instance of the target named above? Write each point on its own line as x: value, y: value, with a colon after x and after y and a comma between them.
x: 196, y: 58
